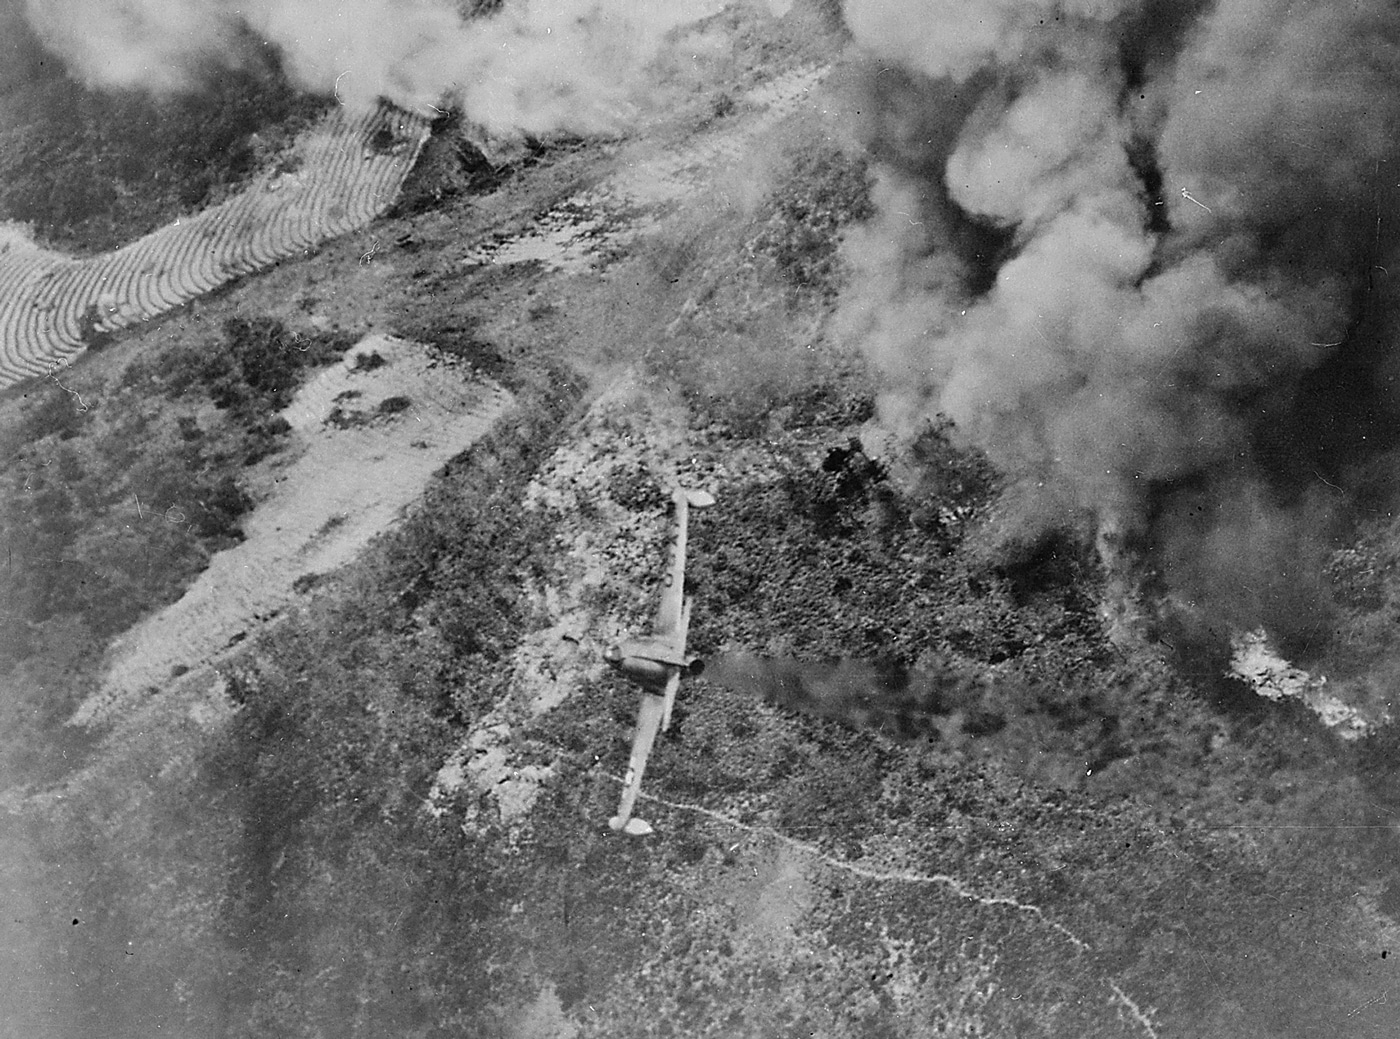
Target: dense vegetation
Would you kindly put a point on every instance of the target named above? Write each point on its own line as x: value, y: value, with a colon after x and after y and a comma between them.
x: 819, y: 191
x: 746, y: 292
x: 350, y: 910
x: 113, y: 503
x: 91, y: 170
x: 306, y: 799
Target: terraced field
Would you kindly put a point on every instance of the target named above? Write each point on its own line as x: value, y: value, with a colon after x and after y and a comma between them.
x: 339, y: 177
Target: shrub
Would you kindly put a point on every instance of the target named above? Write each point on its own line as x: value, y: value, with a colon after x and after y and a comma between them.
x: 823, y: 190
x: 222, y: 505
x: 267, y: 360
x: 54, y: 412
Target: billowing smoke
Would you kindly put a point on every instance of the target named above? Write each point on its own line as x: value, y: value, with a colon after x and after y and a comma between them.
x: 1140, y: 251
x: 877, y: 694
x: 530, y: 65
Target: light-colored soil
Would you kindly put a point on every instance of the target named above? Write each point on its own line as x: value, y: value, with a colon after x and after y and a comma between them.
x: 343, y: 487
x: 627, y: 431
x: 581, y: 232
x: 1256, y: 663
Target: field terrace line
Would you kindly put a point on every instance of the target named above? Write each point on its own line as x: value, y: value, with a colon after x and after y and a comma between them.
x: 343, y: 173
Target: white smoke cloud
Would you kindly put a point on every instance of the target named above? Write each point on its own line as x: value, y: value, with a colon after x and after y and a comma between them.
x: 150, y: 43
x: 532, y: 65
x: 957, y: 38
x: 1060, y: 143
x: 1113, y: 349
x: 1194, y: 197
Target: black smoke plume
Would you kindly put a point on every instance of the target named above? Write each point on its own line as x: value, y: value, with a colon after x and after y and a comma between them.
x: 876, y: 694
x: 1141, y: 253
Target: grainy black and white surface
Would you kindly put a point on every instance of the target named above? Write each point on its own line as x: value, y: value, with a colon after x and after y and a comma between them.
x: 1038, y: 356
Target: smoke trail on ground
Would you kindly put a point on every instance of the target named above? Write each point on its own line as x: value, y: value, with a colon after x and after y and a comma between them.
x: 866, y: 694
x: 522, y: 65
x: 1140, y: 252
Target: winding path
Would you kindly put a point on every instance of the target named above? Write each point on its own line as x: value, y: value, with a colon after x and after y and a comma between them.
x: 344, y: 173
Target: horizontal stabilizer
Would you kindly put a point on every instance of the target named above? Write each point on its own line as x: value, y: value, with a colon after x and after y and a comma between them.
x: 633, y: 827
x: 696, y: 499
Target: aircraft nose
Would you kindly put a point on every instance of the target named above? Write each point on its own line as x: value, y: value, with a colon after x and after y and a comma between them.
x: 613, y: 655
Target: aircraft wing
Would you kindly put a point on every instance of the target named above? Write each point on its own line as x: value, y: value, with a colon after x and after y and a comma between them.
x: 669, y: 617
x: 673, y: 683
x: 650, y: 712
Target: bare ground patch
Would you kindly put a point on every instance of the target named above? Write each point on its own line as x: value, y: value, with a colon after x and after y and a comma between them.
x: 629, y: 437
x: 373, y: 432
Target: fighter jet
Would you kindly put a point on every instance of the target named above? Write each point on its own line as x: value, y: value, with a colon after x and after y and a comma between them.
x: 657, y: 662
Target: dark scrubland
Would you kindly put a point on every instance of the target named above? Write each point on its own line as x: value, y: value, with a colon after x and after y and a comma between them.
x: 115, y: 497
x: 1003, y: 825
x: 91, y: 170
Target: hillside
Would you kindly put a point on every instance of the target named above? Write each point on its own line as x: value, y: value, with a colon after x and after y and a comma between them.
x: 306, y: 726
